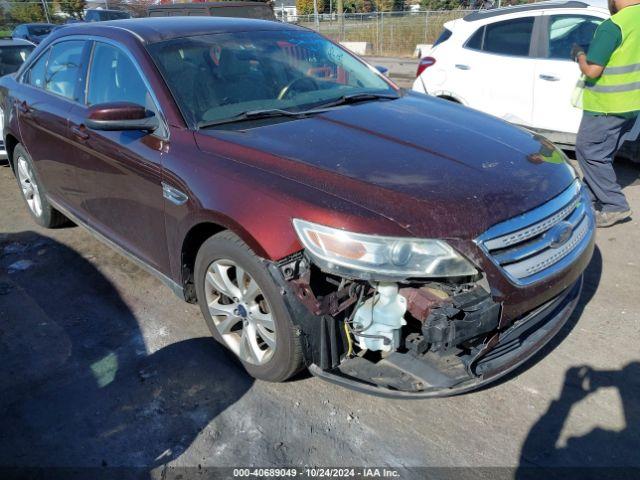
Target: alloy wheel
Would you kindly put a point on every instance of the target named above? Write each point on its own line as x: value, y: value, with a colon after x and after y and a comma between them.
x: 240, y: 312
x: 29, y: 186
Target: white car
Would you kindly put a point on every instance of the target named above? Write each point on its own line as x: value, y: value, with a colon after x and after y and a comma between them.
x: 515, y: 63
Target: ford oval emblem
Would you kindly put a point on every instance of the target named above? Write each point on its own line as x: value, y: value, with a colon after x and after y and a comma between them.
x: 559, y: 234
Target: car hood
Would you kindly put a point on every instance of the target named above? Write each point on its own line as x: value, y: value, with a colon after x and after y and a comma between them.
x: 435, y: 168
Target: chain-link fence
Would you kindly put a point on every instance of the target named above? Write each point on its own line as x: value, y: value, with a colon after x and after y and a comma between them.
x: 388, y: 33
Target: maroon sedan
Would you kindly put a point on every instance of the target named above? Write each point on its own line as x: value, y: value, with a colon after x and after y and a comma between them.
x: 320, y: 216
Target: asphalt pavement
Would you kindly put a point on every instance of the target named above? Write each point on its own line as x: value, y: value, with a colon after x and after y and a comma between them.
x: 102, y: 367
x: 401, y: 70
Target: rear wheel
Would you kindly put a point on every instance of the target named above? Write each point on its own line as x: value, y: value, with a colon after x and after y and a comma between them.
x: 244, y: 310
x: 32, y: 193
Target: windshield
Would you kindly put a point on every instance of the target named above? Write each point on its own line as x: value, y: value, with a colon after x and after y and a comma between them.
x: 12, y: 57
x: 219, y: 76
x: 39, y: 30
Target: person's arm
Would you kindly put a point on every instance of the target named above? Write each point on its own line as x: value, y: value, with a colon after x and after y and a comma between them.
x: 607, y: 38
x: 591, y: 70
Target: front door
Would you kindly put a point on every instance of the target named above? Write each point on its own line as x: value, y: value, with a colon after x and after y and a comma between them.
x: 556, y: 74
x: 120, y: 172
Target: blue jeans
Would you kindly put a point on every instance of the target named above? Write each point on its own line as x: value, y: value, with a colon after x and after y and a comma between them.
x: 599, y: 138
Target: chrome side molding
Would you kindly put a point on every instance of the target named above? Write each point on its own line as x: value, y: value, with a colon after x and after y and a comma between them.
x: 174, y: 195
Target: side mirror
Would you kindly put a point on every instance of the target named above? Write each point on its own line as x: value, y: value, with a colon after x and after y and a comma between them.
x: 121, y: 116
x: 381, y: 69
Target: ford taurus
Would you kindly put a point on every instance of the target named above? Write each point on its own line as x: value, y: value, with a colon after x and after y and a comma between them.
x: 320, y: 216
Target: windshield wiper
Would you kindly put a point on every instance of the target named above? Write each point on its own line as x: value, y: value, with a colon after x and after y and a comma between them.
x: 358, y: 97
x: 257, y: 114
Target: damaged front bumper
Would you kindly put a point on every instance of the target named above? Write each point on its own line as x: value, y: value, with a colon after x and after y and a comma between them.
x: 450, y: 345
x: 406, y: 375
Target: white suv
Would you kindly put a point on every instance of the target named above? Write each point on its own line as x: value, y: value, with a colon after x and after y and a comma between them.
x: 515, y: 63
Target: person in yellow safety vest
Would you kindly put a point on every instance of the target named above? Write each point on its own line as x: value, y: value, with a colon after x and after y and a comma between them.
x: 611, y: 103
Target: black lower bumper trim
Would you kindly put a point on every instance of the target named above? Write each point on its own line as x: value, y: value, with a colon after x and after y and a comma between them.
x: 516, y: 345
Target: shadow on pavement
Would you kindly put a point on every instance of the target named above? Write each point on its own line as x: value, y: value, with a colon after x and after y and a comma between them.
x: 77, y: 385
x: 601, y: 453
x: 628, y: 172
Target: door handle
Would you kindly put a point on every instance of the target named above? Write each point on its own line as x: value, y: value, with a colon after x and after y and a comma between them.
x: 23, y: 107
x: 460, y: 66
x: 80, y: 132
x: 549, y: 78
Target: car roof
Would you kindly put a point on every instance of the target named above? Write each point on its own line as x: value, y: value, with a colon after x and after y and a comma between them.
x: 496, y: 12
x: 7, y: 42
x: 157, y: 29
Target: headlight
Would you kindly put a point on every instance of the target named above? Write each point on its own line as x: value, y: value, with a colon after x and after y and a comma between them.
x: 371, y: 256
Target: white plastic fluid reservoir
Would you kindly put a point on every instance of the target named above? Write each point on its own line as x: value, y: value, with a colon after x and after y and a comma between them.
x: 380, y: 317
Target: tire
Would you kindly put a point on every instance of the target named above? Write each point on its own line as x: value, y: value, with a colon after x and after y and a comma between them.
x: 251, y: 323
x: 33, y: 192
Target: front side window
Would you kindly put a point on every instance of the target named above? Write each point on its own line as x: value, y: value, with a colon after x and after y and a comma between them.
x: 114, y: 78
x: 12, y: 57
x: 218, y: 76
x: 567, y: 30
x: 509, y: 37
x: 63, y: 69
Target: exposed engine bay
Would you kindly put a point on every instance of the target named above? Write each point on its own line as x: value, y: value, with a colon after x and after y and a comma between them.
x: 405, y: 336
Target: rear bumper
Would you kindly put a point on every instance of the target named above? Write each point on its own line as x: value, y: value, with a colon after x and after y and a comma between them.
x: 515, y: 346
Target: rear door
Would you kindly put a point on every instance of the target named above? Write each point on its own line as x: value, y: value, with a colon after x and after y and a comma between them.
x: 556, y: 74
x: 47, y: 92
x: 120, y: 172
x: 495, y: 74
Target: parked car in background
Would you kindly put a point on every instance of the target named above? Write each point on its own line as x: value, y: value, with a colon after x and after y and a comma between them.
x: 515, y: 63
x: 13, y: 53
x: 34, y: 32
x: 257, y: 10
x: 320, y: 216
x: 103, y: 15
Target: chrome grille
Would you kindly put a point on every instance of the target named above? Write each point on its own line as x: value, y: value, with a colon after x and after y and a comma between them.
x: 542, y: 241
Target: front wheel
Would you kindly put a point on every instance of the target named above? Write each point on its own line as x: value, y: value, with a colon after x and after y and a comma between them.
x: 244, y: 310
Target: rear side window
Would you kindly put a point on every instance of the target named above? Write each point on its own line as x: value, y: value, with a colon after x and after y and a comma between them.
x: 510, y: 37
x: 444, y: 36
x: 63, y: 70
